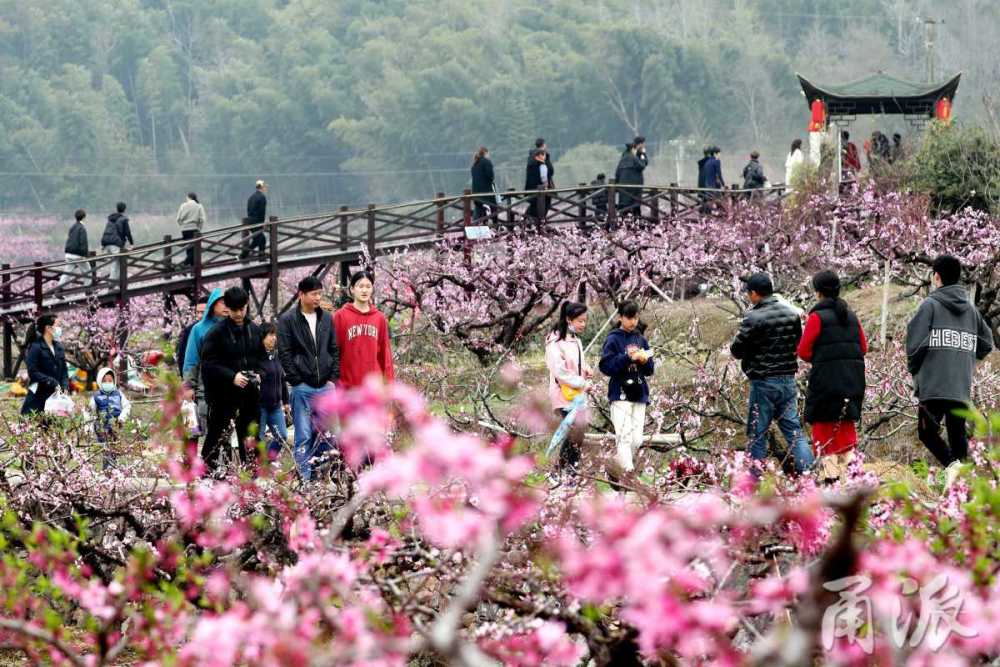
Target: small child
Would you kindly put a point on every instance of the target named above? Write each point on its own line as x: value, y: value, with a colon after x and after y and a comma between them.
x: 109, y: 409
x: 273, y: 395
x: 627, y: 361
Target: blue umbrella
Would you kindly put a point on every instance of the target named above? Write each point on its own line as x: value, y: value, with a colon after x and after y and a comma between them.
x: 575, y: 406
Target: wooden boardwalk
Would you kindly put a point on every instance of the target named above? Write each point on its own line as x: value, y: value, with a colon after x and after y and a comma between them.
x: 322, y: 242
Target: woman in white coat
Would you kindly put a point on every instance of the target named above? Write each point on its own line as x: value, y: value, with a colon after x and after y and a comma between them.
x: 793, y: 162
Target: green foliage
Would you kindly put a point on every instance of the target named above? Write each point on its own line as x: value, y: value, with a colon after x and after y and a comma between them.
x: 958, y: 167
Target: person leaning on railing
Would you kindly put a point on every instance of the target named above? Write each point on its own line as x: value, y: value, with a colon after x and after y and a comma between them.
x: 191, y: 219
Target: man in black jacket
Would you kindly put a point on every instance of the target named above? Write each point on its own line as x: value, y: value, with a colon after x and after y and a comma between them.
x: 307, y: 348
x: 232, y: 356
x: 117, y: 234
x: 766, y: 345
x: 630, y: 172
x: 76, y: 248
x: 536, y: 176
x: 540, y: 145
x: 257, y: 214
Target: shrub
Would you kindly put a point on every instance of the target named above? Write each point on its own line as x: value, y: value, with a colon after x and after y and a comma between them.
x: 958, y: 167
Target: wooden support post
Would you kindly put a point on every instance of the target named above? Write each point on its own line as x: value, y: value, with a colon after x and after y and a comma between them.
x: 8, y: 330
x: 654, y: 212
x: 439, y: 222
x: 345, y: 272
x: 582, y: 207
x: 673, y: 199
x: 37, y: 275
x: 581, y: 292
x: 884, y: 320
x: 273, y: 275
x: 612, y: 204
x: 371, y: 234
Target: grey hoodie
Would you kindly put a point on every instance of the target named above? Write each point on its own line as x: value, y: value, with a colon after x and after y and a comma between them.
x: 943, y: 341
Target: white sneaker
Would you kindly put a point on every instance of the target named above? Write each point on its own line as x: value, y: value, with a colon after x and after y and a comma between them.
x: 951, y: 474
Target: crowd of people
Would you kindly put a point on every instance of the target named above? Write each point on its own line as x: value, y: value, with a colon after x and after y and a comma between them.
x: 239, y: 373
x: 944, y: 340
x: 191, y: 219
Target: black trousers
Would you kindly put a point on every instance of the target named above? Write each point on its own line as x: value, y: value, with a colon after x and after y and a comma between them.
x: 929, y: 418
x: 187, y: 235
x: 241, y: 406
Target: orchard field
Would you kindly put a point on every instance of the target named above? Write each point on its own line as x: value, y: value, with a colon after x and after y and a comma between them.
x: 444, y: 535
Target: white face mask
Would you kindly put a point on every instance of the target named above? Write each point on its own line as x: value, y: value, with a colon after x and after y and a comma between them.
x: 107, y: 387
x: 56, y: 333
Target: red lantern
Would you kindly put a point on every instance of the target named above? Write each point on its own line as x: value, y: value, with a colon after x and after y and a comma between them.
x: 942, y: 110
x: 818, y: 121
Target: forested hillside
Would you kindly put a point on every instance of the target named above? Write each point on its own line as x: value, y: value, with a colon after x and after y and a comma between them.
x: 348, y: 101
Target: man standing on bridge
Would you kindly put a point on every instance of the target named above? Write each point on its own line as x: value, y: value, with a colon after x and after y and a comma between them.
x: 257, y: 214
x: 307, y: 349
x: 76, y: 248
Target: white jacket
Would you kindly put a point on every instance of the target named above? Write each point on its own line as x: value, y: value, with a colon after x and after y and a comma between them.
x: 792, y: 162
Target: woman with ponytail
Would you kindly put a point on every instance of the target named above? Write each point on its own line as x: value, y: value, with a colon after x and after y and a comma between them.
x: 46, y: 361
x: 569, y: 375
x: 835, y: 344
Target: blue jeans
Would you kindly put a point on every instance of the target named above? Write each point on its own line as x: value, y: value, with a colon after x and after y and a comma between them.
x: 302, y: 397
x: 776, y: 398
x: 273, y: 419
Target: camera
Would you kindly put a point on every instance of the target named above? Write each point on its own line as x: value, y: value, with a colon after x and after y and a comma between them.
x: 253, y: 378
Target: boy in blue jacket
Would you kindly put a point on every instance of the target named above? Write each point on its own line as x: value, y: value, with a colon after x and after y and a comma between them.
x: 627, y: 360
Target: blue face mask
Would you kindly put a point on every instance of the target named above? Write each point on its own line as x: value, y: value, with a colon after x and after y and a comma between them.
x: 107, y: 387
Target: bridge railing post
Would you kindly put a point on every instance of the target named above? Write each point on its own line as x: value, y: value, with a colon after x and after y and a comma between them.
x: 168, y: 261
x: 612, y: 204
x: 673, y: 199
x: 509, y: 198
x: 93, y: 268
x: 8, y: 330
x: 122, y: 260
x: 466, y: 223
x: 272, y: 241
x: 439, y: 222
x: 654, y: 205
x: 37, y: 275
x: 343, y: 228
x: 582, y: 206
x: 371, y: 233
x: 196, y: 269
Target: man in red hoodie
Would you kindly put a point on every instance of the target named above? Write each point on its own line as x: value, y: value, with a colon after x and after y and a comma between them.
x: 362, y: 335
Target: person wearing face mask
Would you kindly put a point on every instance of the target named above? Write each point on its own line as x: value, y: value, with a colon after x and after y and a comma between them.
x: 569, y: 375
x: 109, y: 409
x: 46, y: 361
x: 627, y: 361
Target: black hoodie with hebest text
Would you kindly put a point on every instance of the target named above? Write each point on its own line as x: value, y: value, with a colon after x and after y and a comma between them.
x: 943, y: 342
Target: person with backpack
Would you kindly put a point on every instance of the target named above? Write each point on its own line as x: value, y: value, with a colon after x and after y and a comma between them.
x: 753, y: 173
x: 117, y: 237
x: 627, y: 361
x: 766, y: 345
x: 569, y: 376
x: 834, y: 343
x: 185, y: 334
x: 944, y: 340
x: 46, y: 362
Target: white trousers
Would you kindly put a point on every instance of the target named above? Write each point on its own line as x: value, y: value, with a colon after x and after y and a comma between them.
x: 629, y: 419
x: 82, y: 269
x: 113, y: 266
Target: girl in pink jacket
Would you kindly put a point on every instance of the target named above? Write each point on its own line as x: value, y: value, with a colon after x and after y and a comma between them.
x: 569, y: 375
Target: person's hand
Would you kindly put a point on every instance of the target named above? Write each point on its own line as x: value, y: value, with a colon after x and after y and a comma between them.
x: 241, y: 380
x: 287, y: 408
x: 587, y: 373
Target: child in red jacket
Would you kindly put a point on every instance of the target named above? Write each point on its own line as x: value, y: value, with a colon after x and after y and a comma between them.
x: 362, y: 335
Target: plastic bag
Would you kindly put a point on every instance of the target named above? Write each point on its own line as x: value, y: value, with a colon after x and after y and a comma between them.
x: 189, y: 413
x: 59, y: 404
